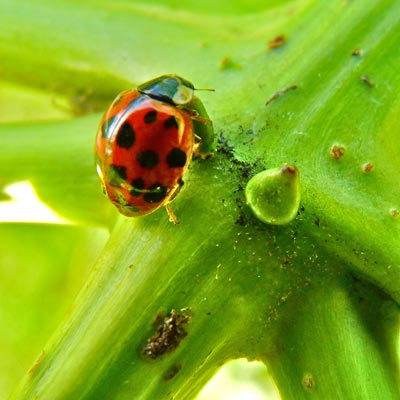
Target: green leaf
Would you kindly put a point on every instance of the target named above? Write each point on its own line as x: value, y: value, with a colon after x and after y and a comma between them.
x: 58, y: 159
x: 38, y: 280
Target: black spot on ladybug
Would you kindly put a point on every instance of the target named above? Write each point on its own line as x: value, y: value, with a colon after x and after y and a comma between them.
x: 116, y: 175
x: 150, y: 117
x: 176, y: 158
x: 171, y: 122
x: 126, y: 136
x: 119, y: 170
x: 147, y: 159
x: 137, y: 187
x: 155, y: 193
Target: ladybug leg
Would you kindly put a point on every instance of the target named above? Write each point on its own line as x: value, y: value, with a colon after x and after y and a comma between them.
x: 174, y: 192
x: 196, y: 149
x: 171, y: 215
x: 195, y: 116
x: 201, y: 119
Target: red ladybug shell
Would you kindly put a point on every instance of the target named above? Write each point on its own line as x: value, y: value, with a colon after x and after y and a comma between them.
x: 143, y: 148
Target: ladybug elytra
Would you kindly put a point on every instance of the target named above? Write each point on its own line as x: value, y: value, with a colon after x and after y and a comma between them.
x: 146, y: 141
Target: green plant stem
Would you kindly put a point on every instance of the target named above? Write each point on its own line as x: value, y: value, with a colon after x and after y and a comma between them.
x: 99, y: 352
x: 325, y: 344
x: 289, y: 320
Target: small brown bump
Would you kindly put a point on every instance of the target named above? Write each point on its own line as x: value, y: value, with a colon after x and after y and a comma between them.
x: 37, y: 363
x: 365, y: 79
x: 280, y: 93
x: 277, y: 41
x: 357, y: 52
x: 228, y: 63
x: 394, y: 212
x: 337, y: 151
x: 172, y: 372
x: 290, y: 169
x: 367, y: 167
x: 308, y: 382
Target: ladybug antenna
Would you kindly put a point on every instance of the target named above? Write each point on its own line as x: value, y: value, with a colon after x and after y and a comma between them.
x: 204, y: 90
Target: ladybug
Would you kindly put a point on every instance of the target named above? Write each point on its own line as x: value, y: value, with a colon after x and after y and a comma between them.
x: 146, y: 141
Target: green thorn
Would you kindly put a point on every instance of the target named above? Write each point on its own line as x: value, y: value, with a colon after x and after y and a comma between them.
x: 274, y: 194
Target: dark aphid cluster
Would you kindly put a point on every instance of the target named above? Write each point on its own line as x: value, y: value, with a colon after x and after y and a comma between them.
x: 168, y: 335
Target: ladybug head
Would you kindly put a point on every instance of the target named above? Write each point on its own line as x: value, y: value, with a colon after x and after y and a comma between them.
x: 171, y: 89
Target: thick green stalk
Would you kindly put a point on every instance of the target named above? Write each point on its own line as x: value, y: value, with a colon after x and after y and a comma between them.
x: 323, y: 353
x: 248, y: 290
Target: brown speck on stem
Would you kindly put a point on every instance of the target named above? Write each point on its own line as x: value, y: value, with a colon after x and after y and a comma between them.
x: 228, y: 63
x: 357, y: 52
x: 276, y: 42
x: 172, y: 372
x: 308, y: 382
x: 365, y: 79
x: 290, y: 169
x: 367, y: 167
x: 37, y: 364
x: 280, y: 93
x: 394, y: 212
x: 337, y: 151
